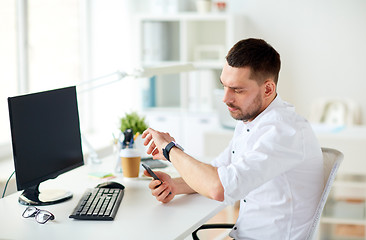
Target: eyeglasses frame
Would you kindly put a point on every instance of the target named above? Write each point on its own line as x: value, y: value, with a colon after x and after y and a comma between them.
x: 36, y: 212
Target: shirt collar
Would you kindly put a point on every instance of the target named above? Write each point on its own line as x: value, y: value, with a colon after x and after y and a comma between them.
x: 277, y: 101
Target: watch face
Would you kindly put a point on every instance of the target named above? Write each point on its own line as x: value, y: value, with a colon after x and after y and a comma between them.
x: 178, y: 146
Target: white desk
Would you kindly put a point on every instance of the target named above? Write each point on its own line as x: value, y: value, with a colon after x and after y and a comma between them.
x: 140, y: 215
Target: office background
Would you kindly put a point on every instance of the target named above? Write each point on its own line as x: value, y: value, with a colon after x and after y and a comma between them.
x: 51, y: 44
x: 321, y: 45
x: 48, y: 45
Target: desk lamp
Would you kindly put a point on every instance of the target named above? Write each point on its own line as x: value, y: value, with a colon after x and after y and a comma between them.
x: 136, y: 73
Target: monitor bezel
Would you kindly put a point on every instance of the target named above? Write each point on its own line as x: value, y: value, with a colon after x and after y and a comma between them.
x: 21, y: 185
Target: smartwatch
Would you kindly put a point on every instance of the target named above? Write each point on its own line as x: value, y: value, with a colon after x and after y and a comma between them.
x: 168, y: 147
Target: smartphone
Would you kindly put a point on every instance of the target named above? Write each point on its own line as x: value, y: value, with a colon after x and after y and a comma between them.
x: 148, y: 169
x: 151, y: 172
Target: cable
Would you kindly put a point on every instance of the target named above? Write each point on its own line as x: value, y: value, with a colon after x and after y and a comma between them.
x: 6, y: 185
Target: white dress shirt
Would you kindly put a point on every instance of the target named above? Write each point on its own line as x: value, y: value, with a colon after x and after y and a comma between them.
x: 274, y: 166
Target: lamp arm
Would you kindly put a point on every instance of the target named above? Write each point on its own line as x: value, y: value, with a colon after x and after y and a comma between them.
x: 120, y: 75
x: 100, y: 77
x: 138, y: 73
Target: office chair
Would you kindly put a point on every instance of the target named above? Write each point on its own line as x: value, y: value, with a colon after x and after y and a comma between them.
x: 332, y: 159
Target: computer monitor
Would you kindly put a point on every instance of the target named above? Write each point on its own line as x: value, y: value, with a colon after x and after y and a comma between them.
x: 46, y: 142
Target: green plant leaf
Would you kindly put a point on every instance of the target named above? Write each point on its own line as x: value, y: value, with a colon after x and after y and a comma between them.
x: 134, y: 121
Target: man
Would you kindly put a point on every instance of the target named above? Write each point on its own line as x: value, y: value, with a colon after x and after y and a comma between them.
x: 273, y: 165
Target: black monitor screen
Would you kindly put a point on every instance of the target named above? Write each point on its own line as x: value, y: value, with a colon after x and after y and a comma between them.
x: 45, y: 135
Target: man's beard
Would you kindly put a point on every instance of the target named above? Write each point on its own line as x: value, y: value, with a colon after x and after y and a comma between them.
x: 253, y: 110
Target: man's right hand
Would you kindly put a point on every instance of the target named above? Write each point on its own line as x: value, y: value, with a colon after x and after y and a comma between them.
x: 163, y: 191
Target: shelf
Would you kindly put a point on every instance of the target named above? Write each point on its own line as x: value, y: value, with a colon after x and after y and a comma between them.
x: 349, y: 184
x: 201, y: 39
x: 343, y: 231
x: 331, y: 220
x: 187, y: 16
x: 216, y: 65
x: 351, y: 210
x: 161, y: 63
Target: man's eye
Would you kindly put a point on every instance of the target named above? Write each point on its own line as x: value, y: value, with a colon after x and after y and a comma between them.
x: 238, y: 90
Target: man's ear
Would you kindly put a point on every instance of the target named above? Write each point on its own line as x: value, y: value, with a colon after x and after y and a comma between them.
x: 269, y: 88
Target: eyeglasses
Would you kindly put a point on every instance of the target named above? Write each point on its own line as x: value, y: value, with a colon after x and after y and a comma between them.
x: 41, y: 216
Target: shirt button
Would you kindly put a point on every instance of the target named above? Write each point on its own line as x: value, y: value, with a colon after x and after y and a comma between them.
x: 235, y: 228
x: 233, y: 152
x: 248, y: 130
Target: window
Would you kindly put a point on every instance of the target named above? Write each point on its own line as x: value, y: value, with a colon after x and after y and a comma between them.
x: 66, y: 42
x: 52, y: 54
x: 8, y: 62
x: 54, y: 44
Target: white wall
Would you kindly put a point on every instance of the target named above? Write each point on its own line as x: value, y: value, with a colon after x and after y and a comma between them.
x: 322, y: 45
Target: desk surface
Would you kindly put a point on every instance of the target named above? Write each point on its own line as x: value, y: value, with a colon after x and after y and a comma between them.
x: 140, y: 215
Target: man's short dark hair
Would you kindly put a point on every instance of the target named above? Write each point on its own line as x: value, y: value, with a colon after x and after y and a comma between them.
x: 263, y: 60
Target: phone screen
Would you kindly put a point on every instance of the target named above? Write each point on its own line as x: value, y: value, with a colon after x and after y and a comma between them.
x: 148, y: 169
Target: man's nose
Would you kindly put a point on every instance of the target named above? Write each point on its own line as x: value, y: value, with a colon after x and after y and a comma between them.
x: 227, y: 96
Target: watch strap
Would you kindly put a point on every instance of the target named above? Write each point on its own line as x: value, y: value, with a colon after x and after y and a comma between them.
x: 167, y: 149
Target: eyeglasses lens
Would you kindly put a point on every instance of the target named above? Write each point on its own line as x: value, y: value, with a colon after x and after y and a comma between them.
x: 43, y: 216
x: 30, y: 212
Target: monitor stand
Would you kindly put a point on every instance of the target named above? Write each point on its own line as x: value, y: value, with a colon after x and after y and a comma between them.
x: 32, y: 196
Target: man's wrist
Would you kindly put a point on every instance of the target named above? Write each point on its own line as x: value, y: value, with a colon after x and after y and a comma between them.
x: 169, y: 146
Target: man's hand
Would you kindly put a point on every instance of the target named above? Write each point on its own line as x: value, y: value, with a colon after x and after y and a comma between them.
x: 158, y: 141
x: 163, y: 191
x: 196, y: 176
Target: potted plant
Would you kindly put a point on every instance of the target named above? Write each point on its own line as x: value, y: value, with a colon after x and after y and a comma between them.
x: 133, y: 121
x: 138, y: 125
